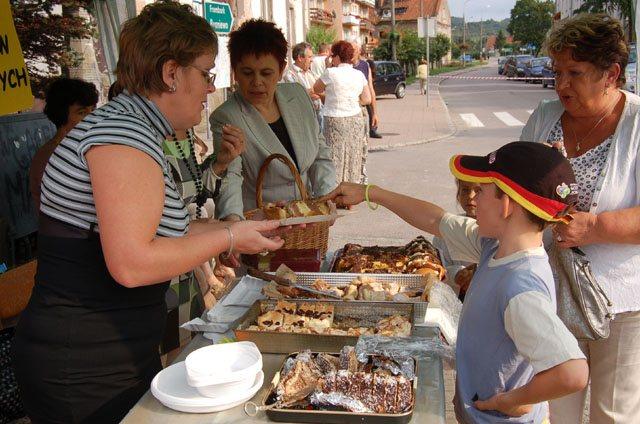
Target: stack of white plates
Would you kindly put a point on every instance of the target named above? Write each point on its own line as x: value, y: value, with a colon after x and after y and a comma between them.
x: 211, y: 379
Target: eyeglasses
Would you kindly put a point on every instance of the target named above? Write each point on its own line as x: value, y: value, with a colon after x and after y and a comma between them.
x: 209, y: 76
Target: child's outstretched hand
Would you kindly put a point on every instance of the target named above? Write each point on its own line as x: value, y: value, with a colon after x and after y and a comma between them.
x: 501, y: 403
x: 347, y: 194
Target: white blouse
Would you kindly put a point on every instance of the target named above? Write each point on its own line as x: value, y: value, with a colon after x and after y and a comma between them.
x: 344, y: 84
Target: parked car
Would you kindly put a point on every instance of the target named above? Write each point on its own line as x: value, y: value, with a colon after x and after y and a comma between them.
x: 389, y: 78
x: 514, y: 67
x: 501, y: 62
x: 467, y: 58
x: 630, y: 70
x: 547, y: 72
x: 533, y: 69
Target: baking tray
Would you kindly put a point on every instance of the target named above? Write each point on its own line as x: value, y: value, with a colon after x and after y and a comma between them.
x: 333, y: 417
x: 277, y: 342
x: 338, y: 253
x: 407, y: 281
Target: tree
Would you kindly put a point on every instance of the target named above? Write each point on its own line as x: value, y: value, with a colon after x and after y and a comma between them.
x: 438, y: 47
x: 319, y: 35
x: 625, y: 7
x: 530, y: 21
x: 500, y: 40
x: 44, y: 36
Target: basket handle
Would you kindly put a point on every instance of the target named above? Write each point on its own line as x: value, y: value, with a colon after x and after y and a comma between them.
x: 292, y: 168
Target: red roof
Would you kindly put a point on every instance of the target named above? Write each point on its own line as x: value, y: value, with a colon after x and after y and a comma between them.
x: 412, y: 13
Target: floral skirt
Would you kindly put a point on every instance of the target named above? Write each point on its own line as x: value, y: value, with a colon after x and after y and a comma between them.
x: 347, y: 139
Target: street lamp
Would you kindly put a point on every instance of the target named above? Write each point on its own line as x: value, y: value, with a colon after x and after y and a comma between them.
x: 481, y: 47
x: 464, y: 31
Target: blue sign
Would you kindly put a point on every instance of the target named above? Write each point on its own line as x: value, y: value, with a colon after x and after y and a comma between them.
x: 219, y: 16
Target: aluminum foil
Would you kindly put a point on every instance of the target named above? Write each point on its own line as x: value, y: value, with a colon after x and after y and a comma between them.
x: 338, y: 399
x: 400, y: 348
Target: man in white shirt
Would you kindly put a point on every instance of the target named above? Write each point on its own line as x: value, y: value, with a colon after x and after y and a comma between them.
x: 319, y: 62
x: 300, y: 72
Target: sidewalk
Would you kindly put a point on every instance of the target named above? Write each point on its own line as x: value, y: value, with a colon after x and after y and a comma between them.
x: 408, y: 121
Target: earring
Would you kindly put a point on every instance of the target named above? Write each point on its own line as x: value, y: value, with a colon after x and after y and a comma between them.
x: 606, y: 89
x: 173, y: 88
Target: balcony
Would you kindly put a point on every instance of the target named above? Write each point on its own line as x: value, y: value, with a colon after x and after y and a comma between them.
x: 320, y: 16
x: 366, y: 25
x: 350, y: 20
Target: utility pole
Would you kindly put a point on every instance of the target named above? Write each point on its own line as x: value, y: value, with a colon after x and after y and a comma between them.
x: 393, y: 30
x: 481, y: 49
x: 464, y: 32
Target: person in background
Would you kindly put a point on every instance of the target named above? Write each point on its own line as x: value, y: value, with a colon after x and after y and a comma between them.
x: 460, y: 272
x: 422, y: 75
x: 275, y: 118
x: 513, y: 353
x: 113, y: 230
x: 68, y: 101
x: 597, y: 125
x: 319, y: 62
x: 300, y: 72
x: 361, y: 64
x: 345, y: 90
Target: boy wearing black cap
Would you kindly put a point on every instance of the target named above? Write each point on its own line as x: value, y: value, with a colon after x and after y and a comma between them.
x: 513, y: 353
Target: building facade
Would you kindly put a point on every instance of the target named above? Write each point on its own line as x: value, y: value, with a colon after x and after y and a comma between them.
x: 407, y: 13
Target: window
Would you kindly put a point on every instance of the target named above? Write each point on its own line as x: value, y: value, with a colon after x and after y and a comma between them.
x: 400, y: 10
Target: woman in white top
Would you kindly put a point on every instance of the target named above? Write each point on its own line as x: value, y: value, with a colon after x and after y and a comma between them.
x: 345, y: 89
x: 598, y: 126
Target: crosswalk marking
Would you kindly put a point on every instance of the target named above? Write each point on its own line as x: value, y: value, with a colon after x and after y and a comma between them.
x: 471, y: 120
x: 508, y: 119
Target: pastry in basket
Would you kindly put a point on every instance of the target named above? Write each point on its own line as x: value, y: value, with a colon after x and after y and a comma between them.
x: 296, y: 208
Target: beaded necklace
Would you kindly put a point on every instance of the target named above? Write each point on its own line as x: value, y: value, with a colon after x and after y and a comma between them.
x: 196, y: 174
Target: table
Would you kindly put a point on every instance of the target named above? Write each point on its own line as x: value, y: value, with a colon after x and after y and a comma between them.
x: 429, y: 396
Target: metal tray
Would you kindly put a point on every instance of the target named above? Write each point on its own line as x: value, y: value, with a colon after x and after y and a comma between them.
x: 338, y: 253
x: 340, y: 279
x: 277, y: 342
x: 334, y: 417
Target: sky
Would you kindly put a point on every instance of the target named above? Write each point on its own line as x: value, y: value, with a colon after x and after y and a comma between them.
x: 481, y: 9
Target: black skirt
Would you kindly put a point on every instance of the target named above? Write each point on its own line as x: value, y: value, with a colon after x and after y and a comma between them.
x: 86, y: 347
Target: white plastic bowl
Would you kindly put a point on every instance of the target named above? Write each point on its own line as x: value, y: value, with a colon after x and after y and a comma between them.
x: 218, y: 370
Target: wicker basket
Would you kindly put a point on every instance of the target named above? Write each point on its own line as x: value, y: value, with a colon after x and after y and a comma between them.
x: 314, y: 236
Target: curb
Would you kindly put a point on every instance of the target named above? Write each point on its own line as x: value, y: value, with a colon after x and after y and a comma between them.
x: 453, y: 130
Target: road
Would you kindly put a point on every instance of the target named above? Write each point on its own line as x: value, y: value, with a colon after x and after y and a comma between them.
x: 486, y: 113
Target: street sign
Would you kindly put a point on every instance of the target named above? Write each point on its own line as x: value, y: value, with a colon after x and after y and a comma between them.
x: 219, y: 16
x: 426, y: 26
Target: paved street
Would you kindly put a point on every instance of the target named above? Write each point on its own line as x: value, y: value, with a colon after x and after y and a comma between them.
x: 485, y: 114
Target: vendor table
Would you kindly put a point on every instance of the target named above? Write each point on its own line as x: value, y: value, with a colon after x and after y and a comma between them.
x: 429, y: 396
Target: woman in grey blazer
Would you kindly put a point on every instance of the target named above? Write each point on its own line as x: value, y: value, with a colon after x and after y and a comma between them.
x: 276, y: 118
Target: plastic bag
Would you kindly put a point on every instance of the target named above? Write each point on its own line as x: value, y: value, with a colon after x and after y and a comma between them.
x: 444, y: 310
x: 401, y: 348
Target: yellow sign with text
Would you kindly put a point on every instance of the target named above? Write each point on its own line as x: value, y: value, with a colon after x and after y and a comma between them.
x: 15, y: 90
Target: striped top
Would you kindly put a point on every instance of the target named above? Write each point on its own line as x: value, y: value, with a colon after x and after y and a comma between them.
x: 129, y: 120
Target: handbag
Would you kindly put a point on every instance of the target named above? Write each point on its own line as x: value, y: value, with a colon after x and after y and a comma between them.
x: 582, y: 304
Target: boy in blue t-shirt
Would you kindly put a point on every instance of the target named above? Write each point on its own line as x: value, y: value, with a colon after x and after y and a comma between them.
x: 513, y: 353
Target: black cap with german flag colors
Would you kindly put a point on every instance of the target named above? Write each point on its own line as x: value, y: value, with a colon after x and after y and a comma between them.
x: 538, y: 177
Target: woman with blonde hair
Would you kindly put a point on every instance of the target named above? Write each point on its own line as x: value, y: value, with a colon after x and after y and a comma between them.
x: 597, y: 125
x: 423, y: 75
x: 114, y: 229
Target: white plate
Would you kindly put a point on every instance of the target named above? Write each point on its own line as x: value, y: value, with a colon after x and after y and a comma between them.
x: 170, y: 387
